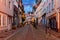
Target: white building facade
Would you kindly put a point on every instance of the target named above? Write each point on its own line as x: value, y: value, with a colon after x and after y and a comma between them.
x: 49, y: 12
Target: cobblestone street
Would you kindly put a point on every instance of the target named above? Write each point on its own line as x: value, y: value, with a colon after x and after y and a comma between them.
x: 29, y: 19
x: 30, y: 33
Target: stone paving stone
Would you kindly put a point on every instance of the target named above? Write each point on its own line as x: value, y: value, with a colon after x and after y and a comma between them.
x: 20, y: 35
x: 30, y: 33
x: 49, y: 36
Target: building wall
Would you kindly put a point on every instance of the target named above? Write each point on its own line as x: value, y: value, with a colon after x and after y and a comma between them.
x: 5, y: 22
x: 57, y: 8
x: 51, y: 9
x: 58, y: 22
x: 57, y: 3
x: 6, y: 14
x: 40, y: 11
x: 18, y: 10
x: 6, y: 6
x: 55, y: 12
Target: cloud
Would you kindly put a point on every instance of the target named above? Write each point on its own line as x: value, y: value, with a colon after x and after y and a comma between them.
x: 28, y: 1
x: 28, y: 8
x: 28, y: 5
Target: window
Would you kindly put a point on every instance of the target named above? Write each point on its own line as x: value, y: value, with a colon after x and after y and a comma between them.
x: 52, y: 4
x: 0, y: 19
x: 9, y: 4
x: 5, y: 2
x: 4, y: 20
x: 49, y: 7
x: 46, y: 10
x: 9, y: 20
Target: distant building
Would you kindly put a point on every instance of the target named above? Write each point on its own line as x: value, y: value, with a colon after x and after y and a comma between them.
x: 36, y: 5
x: 21, y: 13
x: 18, y: 11
x: 15, y: 14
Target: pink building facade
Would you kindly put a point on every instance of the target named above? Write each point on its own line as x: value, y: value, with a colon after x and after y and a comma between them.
x: 6, y: 14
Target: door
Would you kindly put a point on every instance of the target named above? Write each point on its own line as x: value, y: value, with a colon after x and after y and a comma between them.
x: 53, y: 23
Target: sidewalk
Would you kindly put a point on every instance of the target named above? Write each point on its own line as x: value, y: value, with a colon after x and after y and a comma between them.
x: 54, y: 34
x: 5, y: 35
x: 51, y: 35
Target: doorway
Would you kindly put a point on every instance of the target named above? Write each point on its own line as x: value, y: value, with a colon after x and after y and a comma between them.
x: 53, y: 23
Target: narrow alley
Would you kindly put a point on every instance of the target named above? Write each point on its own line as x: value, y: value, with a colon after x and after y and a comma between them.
x: 29, y: 19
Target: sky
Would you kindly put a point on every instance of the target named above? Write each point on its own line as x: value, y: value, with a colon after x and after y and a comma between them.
x: 28, y: 5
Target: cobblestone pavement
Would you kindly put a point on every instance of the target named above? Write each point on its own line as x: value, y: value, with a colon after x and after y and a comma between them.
x: 47, y: 33
x: 30, y: 33
x: 5, y: 34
